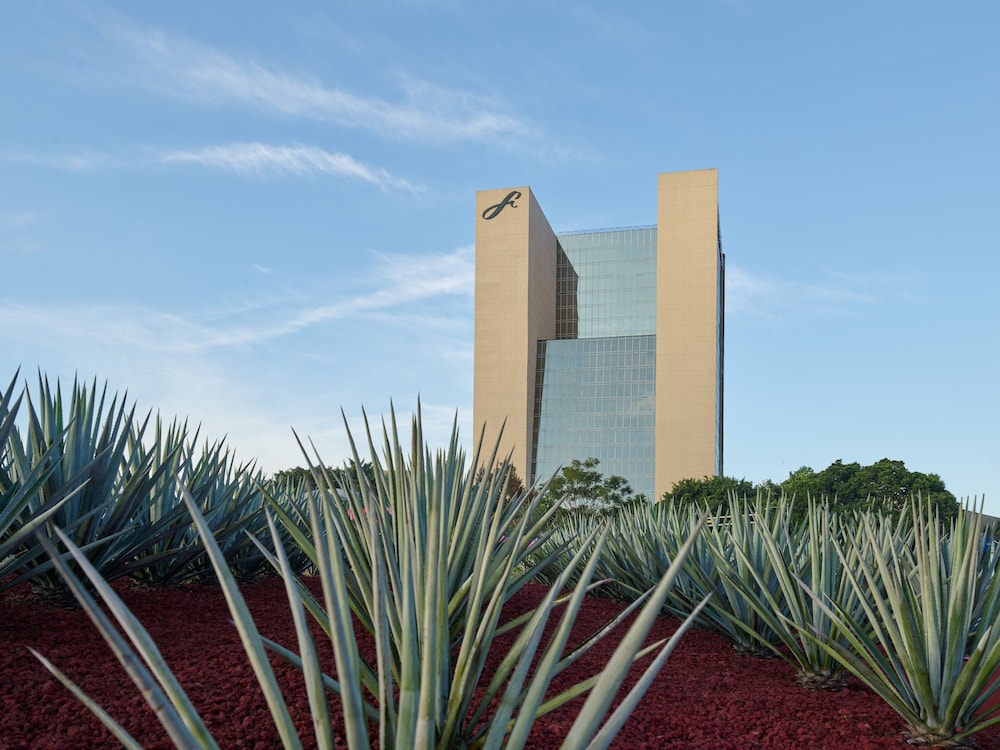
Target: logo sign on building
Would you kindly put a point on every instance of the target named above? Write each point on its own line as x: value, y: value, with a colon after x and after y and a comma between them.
x: 493, y: 211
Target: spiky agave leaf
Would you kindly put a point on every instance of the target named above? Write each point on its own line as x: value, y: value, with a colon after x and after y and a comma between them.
x: 20, y: 511
x: 433, y: 556
x: 84, y: 440
x: 728, y: 560
x: 408, y: 524
x: 229, y: 497
x: 803, y: 552
x: 912, y: 649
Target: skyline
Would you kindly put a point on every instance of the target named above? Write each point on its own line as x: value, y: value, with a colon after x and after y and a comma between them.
x: 252, y: 216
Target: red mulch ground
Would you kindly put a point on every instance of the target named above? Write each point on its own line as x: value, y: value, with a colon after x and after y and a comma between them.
x: 707, y: 696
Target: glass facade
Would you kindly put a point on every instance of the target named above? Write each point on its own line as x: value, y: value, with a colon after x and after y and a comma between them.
x: 606, y: 284
x: 595, y: 385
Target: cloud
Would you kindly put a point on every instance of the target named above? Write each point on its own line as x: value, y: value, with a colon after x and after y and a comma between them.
x: 262, y: 160
x: 20, y: 247
x: 405, y: 279
x: 188, y: 70
x: 17, y: 240
x: 775, y: 298
x: 84, y: 161
x: 18, y: 220
x: 398, y: 280
x: 205, y: 363
x: 242, y: 159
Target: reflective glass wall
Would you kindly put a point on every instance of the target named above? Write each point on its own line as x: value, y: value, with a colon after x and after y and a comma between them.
x: 595, y: 387
x: 606, y: 283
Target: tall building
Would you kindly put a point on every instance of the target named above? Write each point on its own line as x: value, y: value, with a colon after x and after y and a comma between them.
x: 604, y: 344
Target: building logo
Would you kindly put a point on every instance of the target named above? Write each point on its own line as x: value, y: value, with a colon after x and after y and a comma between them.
x: 493, y: 211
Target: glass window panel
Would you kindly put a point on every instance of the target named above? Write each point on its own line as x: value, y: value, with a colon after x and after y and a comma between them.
x: 588, y: 405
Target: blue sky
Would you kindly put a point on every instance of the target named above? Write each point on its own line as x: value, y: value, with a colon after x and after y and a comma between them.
x: 254, y: 215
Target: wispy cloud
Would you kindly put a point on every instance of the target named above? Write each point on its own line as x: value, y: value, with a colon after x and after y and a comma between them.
x: 398, y: 281
x: 16, y: 230
x: 776, y: 298
x: 20, y: 247
x: 262, y: 160
x: 189, y: 70
x: 405, y: 280
x: 192, y: 363
x: 20, y: 220
x: 256, y: 160
x: 83, y: 161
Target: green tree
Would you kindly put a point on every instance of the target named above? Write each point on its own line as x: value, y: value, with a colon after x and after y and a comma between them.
x: 515, y: 485
x: 299, y: 474
x: 586, y: 490
x: 886, y: 485
x: 708, y: 492
x: 295, y: 477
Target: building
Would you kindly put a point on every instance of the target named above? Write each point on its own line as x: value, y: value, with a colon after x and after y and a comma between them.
x: 605, y: 344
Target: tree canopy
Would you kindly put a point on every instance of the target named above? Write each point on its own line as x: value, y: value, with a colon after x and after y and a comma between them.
x: 885, y: 485
x: 337, y: 474
x: 515, y: 485
x: 587, y: 490
x: 708, y: 492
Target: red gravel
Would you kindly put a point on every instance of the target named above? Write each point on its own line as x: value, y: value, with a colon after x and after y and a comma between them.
x: 707, y: 696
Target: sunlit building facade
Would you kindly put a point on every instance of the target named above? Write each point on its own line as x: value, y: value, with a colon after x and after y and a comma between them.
x: 604, y: 344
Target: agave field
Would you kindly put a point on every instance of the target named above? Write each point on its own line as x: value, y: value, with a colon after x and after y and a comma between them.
x: 419, y: 606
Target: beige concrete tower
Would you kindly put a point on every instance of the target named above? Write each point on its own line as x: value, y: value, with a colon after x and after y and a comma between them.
x: 515, y: 308
x: 656, y: 416
x: 689, y: 328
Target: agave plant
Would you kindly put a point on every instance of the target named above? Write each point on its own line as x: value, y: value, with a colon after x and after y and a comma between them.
x: 289, y: 498
x: 231, y: 500
x: 83, y: 443
x: 561, y: 540
x: 806, y: 554
x: 643, y: 542
x: 171, y: 555
x: 731, y: 561
x: 912, y: 648
x: 229, y: 495
x: 122, y: 506
x: 426, y: 559
x: 18, y: 491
